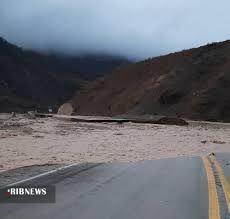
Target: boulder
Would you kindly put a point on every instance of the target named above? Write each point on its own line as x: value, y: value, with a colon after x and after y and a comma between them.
x: 66, y: 109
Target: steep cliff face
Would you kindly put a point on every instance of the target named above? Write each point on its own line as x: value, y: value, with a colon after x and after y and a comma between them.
x: 193, y: 83
x: 29, y: 80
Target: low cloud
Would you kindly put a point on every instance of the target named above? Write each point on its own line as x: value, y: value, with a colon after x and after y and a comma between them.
x: 132, y: 28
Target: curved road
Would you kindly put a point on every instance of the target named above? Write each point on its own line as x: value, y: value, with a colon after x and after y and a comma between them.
x: 162, y: 189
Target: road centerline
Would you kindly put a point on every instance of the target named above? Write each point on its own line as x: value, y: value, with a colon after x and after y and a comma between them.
x: 214, y: 208
x: 223, y: 179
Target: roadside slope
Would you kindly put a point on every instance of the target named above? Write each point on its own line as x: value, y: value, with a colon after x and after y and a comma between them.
x: 194, y: 84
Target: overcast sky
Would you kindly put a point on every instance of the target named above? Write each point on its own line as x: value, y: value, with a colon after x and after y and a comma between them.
x: 133, y: 28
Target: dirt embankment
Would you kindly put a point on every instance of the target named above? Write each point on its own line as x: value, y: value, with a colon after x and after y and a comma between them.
x: 192, y: 84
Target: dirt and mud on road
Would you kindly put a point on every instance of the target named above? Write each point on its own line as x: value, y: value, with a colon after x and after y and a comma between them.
x: 50, y: 142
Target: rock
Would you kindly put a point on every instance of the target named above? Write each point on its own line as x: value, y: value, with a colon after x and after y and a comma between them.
x: 203, y: 142
x: 172, y: 121
x: 218, y: 142
x: 66, y: 109
x: 31, y: 115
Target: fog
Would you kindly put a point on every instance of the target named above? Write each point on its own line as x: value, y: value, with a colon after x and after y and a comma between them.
x: 132, y: 28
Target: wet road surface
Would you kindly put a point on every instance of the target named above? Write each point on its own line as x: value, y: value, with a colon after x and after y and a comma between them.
x: 163, y: 189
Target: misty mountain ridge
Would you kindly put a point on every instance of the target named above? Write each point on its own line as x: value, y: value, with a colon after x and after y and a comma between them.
x: 31, y: 80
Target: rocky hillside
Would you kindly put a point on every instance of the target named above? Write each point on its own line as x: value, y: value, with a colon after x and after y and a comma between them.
x: 29, y: 80
x: 193, y: 84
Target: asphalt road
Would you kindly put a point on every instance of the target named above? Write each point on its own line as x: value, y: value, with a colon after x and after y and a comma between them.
x: 224, y: 160
x: 161, y: 189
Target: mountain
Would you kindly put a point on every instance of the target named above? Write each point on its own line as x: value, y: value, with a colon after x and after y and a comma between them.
x: 30, y: 80
x: 192, y: 84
